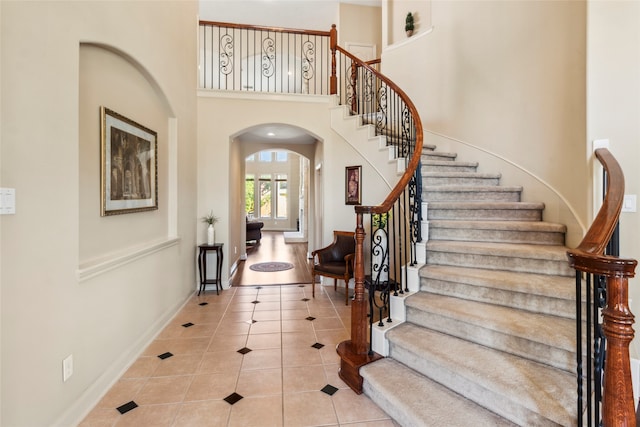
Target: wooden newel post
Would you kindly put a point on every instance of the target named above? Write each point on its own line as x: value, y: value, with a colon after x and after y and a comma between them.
x: 333, y: 43
x: 359, y: 306
x: 354, y: 353
x: 617, y: 398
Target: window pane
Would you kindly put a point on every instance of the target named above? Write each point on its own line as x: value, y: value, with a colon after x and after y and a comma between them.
x: 265, y: 156
x: 265, y: 199
x: 281, y: 156
x: 282, y: 205
x: 249, y: 195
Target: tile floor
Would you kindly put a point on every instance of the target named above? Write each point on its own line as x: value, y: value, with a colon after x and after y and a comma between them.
x: 251, y: 356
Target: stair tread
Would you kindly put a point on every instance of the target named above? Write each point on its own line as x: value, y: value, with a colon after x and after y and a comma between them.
x: 542, y: 328
x: 499, y: 225
x: 484, y: 205
x: 529, y: 283
x: 469, y: 188
x: 437, y: 174
x: 404, y: 390
x: 491, y: 377
x: 550, y: 252
x: 430, y: 162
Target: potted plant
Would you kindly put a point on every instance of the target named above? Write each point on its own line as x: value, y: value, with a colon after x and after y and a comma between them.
x: 408, y: 25
x: 211, y: 220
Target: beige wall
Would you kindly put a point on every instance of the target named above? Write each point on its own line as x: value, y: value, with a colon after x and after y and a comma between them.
x: 360, y: 24
x: 613, y: 88
x: 507, y: 78
x: 72, y: 282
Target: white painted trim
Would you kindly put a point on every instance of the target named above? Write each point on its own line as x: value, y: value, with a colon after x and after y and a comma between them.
x: 409, y: 40
x: 94, y: 268
x: 97, y: 390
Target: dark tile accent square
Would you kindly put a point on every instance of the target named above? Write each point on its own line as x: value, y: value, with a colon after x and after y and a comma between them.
x: 317, y: 345
x: 329, y: 389
x: 203, y: 303
x: 258, y: 287
x: 255, y: 302
x: 310, y: 318
x: 301, y: 286
x: 165, y: 355
x: 123, y: 409
x: 233, y: 398
x: 186, y: 325
x: 251, y: 321
x: 244, y: 350
x: 304, y: 299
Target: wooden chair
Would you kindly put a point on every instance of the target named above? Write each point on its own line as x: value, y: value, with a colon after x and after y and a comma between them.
x: 336, y: 261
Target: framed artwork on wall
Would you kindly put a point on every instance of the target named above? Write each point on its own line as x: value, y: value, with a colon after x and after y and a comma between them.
x: 129, y: 165
x: 353, y: 185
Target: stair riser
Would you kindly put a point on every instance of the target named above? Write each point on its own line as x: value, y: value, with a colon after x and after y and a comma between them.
x: 486, y: 214
x: 534, y: 351
x: 498, y: 403
x: 502, y: 236
x: 451, y: 195
x: 431, y: 180
x: 494, y: 262
x: 530, y: 302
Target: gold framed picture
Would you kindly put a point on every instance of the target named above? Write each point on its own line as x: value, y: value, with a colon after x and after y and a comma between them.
x: 353, y: 185
x: 129, y: 165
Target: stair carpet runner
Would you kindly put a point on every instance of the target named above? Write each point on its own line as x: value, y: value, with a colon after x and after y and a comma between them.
x: 490, y: 338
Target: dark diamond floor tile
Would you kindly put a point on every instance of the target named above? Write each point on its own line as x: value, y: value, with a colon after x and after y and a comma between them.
x: 255, y: 302
x: 317, y: 345
x: 186, y: 325
x: 233, y: 398
x: 251, y: 321
x: 258, y: 287
x: 127, y: 407
x: 310, y: 318
x: 304, y: 299
x: 203, y: 303
x: 244, y: 350
x: 301, y: 286
x: 329, y: 389
x: 165, y: 355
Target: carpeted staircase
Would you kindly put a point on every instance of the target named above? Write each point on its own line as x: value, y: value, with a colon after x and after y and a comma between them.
x: 489, y: 340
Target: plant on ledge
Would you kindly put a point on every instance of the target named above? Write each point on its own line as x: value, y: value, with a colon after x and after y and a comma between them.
x: 408, y: 26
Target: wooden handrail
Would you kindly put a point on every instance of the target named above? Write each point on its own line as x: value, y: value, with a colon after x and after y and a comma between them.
x: 617, y: 320
x: 354, y: 353
x: 265, y: 28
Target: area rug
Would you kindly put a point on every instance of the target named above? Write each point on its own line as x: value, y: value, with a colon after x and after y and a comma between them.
x: 271, y: 266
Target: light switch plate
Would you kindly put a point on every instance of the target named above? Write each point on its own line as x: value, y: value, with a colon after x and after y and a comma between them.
x: 629, y: 203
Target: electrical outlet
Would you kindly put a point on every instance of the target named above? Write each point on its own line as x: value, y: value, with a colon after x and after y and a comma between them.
x: 67, y: 368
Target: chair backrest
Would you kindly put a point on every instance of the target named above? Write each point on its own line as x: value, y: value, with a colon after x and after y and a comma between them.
x: 344, y: 243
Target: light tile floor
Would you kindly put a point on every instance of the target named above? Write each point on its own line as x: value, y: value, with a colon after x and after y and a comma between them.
x: 278, y: 380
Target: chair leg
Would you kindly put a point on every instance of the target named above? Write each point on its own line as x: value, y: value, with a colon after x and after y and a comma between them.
x: 335, y: 284
x: 313, y: 286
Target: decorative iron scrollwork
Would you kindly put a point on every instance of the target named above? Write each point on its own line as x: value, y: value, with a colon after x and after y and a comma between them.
x: 308, y: 59
x: 268, y: 57
x: 226, y: 54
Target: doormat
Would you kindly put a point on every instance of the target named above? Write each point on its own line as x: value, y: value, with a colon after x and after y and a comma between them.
x: 271, y: 266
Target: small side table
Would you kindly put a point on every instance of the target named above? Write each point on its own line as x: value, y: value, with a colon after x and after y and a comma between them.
x: 202, y: 266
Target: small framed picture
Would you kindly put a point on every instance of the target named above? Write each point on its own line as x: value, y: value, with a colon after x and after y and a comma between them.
x: 129, y: 165
x: 353, y: 185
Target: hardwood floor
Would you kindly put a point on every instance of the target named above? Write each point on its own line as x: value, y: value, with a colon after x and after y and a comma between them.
x: 272, y: 247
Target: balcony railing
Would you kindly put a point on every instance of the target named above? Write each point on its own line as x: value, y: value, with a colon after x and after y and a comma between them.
x: 263, y: 59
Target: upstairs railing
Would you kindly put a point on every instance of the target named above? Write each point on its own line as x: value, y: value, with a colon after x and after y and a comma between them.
x: 604, y: 322
x: 263, y: 59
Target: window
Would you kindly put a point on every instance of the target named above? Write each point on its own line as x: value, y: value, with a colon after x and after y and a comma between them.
x: 281, y: 156
x: 265, y: 196
x: 249, y: 195
x: 281, y: 202
x: 265, y: 156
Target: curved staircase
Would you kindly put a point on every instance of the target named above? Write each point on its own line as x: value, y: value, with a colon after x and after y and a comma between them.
x: 490, y: 337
